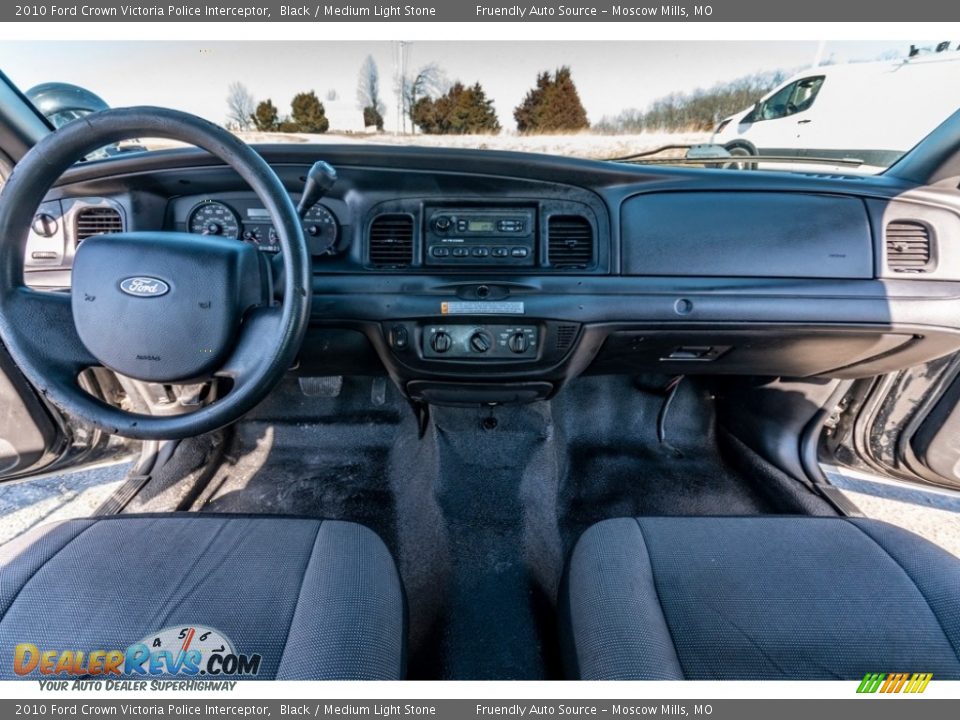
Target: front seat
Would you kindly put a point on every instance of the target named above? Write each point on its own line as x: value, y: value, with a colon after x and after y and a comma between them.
x: 798, y: 598
x: 316, y: 599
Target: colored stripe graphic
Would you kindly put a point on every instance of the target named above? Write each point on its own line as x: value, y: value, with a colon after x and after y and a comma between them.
x: 894, y: 683
x: 871, y: 682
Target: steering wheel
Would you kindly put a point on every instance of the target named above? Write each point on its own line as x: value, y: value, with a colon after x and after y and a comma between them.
x: 163, y: 307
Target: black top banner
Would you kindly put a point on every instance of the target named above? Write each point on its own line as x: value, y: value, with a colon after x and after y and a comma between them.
x: 472, y: 11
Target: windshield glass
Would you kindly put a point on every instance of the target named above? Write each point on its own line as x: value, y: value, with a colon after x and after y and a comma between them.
x: 851, y: 107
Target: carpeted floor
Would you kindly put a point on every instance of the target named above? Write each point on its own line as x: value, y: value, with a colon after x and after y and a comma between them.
x: 482, y: 511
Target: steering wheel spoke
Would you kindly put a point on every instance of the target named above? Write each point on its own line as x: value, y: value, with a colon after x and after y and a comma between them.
x: 42, y: 322
x: 248, y: 354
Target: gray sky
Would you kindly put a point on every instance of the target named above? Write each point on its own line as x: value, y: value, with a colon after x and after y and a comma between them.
x: 611, y: 76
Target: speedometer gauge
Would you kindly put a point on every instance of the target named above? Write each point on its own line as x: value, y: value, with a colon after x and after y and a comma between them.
x: 320, y: 230
x: 212, y: 217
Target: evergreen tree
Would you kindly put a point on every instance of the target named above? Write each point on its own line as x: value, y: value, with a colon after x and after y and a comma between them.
x: 553, y: 105
x: 459, y: 111
x: 372, y: 117
x: 265, y: 117
x: 308, y: 113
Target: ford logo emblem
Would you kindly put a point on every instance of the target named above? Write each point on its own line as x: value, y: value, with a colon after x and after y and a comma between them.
x: 147, y: 287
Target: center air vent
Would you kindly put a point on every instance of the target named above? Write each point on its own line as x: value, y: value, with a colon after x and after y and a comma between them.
x: 909, y: 247
x: 569, y: 241
x: 97, y: 221
x: 391, y: 241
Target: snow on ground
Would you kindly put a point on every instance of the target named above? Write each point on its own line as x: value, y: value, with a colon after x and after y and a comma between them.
x: 57, y: 496
x: 582, y: 145
x: 930, y: 512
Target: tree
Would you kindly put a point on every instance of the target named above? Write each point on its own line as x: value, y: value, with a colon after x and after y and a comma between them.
x: 240, y: 106
x: 699, y: 110
x: 265, y: 117
x: 368, y: 94
x: 460, y: 111
x: 428, y: 81
x: 553, y: 105
x: 308, y: 114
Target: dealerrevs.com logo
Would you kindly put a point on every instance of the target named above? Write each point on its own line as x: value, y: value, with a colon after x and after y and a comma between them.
x: 175, y: 651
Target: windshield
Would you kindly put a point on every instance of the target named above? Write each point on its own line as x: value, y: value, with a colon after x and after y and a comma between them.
x: 851, y: 107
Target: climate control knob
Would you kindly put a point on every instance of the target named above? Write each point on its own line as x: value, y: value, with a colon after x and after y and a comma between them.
x: 480, y: 342
x: 441, y: 342
x: 518, y: 343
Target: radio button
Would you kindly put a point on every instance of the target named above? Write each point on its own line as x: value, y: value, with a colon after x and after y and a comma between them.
x: 481, y: 252
x: 460, y: 252
x: 500, y: 252
x: 519, y: 252
x: 439, y: 251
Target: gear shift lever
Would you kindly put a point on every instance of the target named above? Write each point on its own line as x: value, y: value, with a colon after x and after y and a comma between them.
x: 320, y: 179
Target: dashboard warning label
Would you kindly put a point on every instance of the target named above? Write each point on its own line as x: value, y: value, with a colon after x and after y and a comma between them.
x: 482, y: 308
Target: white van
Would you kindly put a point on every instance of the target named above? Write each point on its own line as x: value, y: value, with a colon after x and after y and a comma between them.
x: 866, y: 112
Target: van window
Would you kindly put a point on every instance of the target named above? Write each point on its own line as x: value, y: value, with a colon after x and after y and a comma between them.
x: 790, y: 99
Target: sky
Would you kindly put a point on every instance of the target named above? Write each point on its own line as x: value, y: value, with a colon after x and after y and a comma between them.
x: 610, y: 76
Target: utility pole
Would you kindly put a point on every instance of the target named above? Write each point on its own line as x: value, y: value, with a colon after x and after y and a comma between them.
x: 401, y: 67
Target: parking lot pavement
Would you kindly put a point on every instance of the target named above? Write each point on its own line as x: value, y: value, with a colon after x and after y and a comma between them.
x: 48, y: 498
x: 930, y: 512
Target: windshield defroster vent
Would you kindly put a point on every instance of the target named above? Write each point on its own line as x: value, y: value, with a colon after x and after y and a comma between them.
x: 909, y: 247
x: 569, y: 241
x: 391, y: 241
x: 97, y: 221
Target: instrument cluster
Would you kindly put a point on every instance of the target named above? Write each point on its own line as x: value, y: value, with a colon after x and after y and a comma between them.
x: 253, y: 225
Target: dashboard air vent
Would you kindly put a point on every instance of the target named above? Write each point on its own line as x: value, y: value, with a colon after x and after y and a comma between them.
x: 569, y: 241
x: 391, y: 241
x: 97, y: 221
x: 908, y: 246
x: 566, y: 334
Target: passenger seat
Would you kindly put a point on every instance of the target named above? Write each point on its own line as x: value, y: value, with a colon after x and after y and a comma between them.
x: 315, y: 599
x: 758, y: 598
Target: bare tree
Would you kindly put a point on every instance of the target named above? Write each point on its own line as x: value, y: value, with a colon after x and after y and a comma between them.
x: 240, y: 106
x: 368, y: 93
x: 428, y: 81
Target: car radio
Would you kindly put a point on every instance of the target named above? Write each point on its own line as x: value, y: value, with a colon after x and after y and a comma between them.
x: 480, y: 236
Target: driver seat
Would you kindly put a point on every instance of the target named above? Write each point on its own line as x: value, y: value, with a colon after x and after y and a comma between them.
x: 316, y: 599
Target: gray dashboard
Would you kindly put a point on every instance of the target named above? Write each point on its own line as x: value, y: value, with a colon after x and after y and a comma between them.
x: 626, y: 269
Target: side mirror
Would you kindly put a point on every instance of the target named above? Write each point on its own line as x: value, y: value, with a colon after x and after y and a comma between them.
x: 752, y: 115
x: 709, y: 155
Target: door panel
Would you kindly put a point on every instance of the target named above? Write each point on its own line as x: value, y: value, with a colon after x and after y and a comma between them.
x: 30, y: 437
x: 905, y: 425
x: 936, y: 443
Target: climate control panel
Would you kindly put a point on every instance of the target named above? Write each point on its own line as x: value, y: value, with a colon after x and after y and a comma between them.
x: 477, y: 342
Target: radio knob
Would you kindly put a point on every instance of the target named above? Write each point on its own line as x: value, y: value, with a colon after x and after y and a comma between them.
x: 518, y: 343
x: 442, y: 223
x: 441, y: 342
x: 480, y: 342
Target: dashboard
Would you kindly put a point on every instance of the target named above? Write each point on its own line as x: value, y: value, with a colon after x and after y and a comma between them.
x: 476, y: 276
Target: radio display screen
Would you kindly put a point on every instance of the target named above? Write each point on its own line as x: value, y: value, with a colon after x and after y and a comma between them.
x: 481, y: 226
